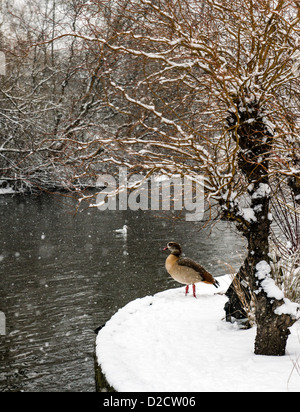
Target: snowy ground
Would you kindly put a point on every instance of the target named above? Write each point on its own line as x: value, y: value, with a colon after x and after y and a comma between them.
x: 170, y: 342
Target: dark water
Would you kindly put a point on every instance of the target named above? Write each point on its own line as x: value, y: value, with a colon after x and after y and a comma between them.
x: 62, y: 276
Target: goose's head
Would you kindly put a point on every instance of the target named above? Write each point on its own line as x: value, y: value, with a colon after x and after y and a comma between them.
x: 174, y: 248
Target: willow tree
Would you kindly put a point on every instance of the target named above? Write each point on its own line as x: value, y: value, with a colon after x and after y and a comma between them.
x: 207, y: 87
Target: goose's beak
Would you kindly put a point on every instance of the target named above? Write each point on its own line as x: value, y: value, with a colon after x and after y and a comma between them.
x: 166, y: 248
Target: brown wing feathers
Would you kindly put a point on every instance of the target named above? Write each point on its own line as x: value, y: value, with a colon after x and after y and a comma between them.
x: 206, y: 276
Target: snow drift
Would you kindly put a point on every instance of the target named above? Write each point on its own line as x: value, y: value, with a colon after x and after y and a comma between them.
x: 171, y: 342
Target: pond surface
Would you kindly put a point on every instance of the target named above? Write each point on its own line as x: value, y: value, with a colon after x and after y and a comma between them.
x: 61, y: 276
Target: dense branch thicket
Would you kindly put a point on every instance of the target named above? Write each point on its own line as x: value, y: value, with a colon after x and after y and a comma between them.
x: 49, y: 108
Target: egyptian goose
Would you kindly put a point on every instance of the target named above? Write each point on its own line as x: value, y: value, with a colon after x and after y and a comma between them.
x: 185, y: 270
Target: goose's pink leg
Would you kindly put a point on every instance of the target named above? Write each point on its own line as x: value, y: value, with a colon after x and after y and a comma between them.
x: 194, y: 291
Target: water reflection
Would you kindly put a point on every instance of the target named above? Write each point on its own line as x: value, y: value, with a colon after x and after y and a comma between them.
x: 62, y: 276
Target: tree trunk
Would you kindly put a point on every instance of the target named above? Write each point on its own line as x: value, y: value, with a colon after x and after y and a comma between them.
x: 255, y: 141
x: 272, y: 330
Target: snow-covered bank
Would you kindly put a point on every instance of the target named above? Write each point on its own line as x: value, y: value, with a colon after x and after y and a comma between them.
x: 7, y: 190
x: 170, y: 342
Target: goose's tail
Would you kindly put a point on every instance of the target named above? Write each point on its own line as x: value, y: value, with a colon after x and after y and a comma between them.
x: 216, y: 284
